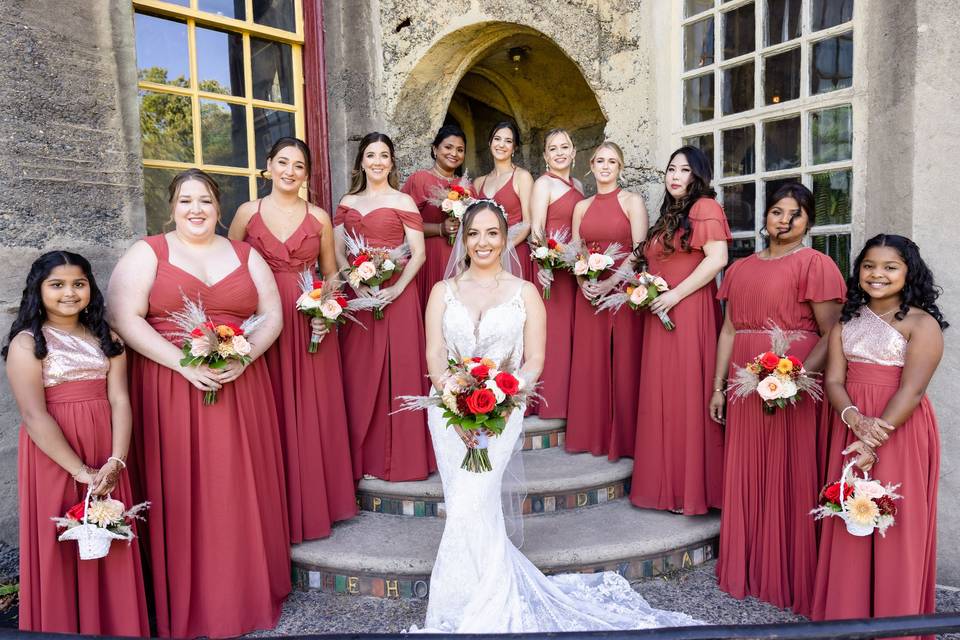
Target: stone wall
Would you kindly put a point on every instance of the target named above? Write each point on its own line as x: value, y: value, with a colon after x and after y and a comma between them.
x: 69, y: 158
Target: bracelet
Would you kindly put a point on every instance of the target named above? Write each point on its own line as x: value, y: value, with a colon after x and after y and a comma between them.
x: 123, y: 464
x: 719, y: 389
x: 843, y: 413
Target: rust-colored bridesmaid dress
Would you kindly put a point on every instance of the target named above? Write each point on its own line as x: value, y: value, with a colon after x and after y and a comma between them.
x: 59, y: 592
x: 767, y: 538
x: 420, y: 186
x: 218, y: 535
x: 893, y: 575
x: 507, y: 198
x: 308, y: 388
x: 678, y: 463
x: 383, y: 361
x: 602, y: 401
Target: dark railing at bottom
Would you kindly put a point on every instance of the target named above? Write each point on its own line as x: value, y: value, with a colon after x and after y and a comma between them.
x: 934, y: 624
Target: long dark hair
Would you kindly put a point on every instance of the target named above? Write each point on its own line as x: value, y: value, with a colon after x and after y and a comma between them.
x: 32, y: 314
x: 675, y: 214
x: 448, y: 131
x: 358, y: 179
x: 506, y: 124
x: 289, y: 141
x: 918, y: 291
x: 799, y: 193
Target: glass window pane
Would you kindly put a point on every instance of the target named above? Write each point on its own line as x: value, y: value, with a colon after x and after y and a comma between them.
x: 155, y: 183
x: 831, y: 193
x: 837, y: 246
x: 831, y: 64
x: 162, y: 50
x: 740, y: 248
x: 226, y: 8
x: 739, y: 201
x: 275, y: 13
x: 220, y: 61
x: 272, y: 64
x: 234, y: 191
x: 781, y: 144
x: 704, y: 143
x: 224, y: 133
x: 698, y: 99
x: 831, y: 134
x: 270, y: 125
x: 781, y: 77
x: 829, y: 13
x: 783, y: 21
x: 738, y: 88
x: 166, y: 126
x: 738, y: 32
x: 738, y: 151
x: 698, y: 44
x: 770, y: 187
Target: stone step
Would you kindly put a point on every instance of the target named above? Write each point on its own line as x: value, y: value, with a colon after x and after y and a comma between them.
x: 390, y: 556
x: 540, y: 433
x: 556, y: 481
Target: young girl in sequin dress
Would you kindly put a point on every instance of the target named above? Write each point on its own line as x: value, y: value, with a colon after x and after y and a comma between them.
x: 68, y: 375
x: 880, y: 359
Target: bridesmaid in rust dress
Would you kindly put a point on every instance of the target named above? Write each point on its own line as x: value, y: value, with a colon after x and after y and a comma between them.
x: 217, y: 531
x: 880, y: 360
x: 552, y: 201
x: 447, y: 151
x: 767, y: 538
x: 602, y: 405
x: 385, y: 360
x: 68, y: 376
x: 679, y: 451
x: 293, y: 236
x: 510, y: 186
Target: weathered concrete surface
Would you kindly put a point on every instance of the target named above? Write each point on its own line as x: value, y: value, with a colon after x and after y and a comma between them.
x: 69, y: 158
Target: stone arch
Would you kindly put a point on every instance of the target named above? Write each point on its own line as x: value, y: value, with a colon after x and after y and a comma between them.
x: 471, y: 77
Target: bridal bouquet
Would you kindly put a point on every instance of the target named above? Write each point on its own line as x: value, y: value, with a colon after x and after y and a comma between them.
x: 591, y: 263
x: 862, y: 503
x: 373, y: 266
x: 478, y: 397
x: 556, y: 253
x: 640, y: 289
x: 324, y: 300
x: 211, y: 344
x: 777, y: 377
x: 96, y: 522
x: 453, y: 200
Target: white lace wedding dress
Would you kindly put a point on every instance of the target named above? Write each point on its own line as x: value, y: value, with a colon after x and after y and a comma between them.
x: 481, y: 583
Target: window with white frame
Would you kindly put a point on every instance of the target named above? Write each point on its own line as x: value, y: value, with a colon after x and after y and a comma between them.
x: 767, y: 94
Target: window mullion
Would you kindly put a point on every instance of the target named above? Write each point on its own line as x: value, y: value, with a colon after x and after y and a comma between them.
x: 248, y: 112
x: 194, y: 91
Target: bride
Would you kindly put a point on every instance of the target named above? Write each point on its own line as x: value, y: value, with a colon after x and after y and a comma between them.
x: 481, y: 583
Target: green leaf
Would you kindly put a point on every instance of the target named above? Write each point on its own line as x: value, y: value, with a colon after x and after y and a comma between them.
x: 9, y: 589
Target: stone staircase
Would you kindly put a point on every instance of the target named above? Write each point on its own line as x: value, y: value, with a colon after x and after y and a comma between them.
x: 577, y: 517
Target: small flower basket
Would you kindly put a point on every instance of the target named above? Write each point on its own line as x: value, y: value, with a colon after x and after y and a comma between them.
x: 865, y: 505
x: 94, y: 524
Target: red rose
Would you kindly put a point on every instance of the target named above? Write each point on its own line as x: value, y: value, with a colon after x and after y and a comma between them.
x: 769, y: 360
x: 341, y: 300
x: 507, y: 383
x: 796, y: 362
x: 360, y: 259
x: 237, y: 331
x: 197, y: 332
x: 551, y: 243
x: 480, y: 372
x: 831, y: 492
x: 481, y: 401
x: 317, y: 284
x: 76, y: 512
x: 475, y: 359
x: 458, y: 189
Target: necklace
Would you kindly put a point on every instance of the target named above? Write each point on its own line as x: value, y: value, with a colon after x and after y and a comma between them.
x: 274, y: 204
x: 493, y: 284
x: 435, y: 171
x: 885, y: 313
x: 786, y: 253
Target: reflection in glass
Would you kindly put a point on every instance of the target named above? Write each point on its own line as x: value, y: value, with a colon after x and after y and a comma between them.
x: 226, y: 8
x: 781, y: 143
x: 740, y: 248
x: 738, y: 151
x: 704, y: 143
x: 831, y: 193
x: 831, y: 134
x: 275, y: 13
x: 272, y: 64
x: 783, y: 21
x: 162, y: 50
x: 692, y: 7
x: 837, y: 246
x: 739, y: 35
x: 166, y: 126
x: 781, y: 77
x: 698, y: 99
x: 220, y: 61
x: 224, y: 133
x: 831, y: 64
x: 155, y: 183
x: 739, y: 202
x: 270, y: 125
x: 770, y: 187
x: 698, y: 44
x: 738, y: 88
x: 234, y: 191
x: 829, y: 13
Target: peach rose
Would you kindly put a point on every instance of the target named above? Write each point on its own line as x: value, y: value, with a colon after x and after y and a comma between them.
x: 240, y: 345
x: 598, y: 262
x: 331, y: 310
x: 366, y: 271
x: 580, y: 268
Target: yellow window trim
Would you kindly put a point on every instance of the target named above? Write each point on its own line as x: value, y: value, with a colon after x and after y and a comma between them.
x: 158, y: 7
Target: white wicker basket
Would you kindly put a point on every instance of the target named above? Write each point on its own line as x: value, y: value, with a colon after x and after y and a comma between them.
x: 92, y: 541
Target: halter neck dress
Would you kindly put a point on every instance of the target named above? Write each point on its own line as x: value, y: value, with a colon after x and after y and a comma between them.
x: 421, y: 186
x: 506, y: 196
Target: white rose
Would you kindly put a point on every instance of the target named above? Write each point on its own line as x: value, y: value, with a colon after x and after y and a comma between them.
x: 580, y: 268
x: 331, y: 310
x: 366, y: 270
x: 541, y: 252
x: 305, y: 301
x: 770, y: 388
x: 870, y: 488
x: 199, y: 347
x: 459, y: 208
x: 354, y: 279
x: 661, y: 284
x: 447, y: 205
x: 240, y: 345
x: 388, y: 265
x: 639, y: 296
x: 598, y: 262
x: 492, y: 385
x: 789, y: 389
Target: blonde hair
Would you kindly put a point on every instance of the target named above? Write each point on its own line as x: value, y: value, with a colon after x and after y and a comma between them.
x: 556, y: 132
x: 612, y: 146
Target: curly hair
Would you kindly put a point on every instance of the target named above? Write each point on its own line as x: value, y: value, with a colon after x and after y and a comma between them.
x: 32, y: 314
x: 919, y: 290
